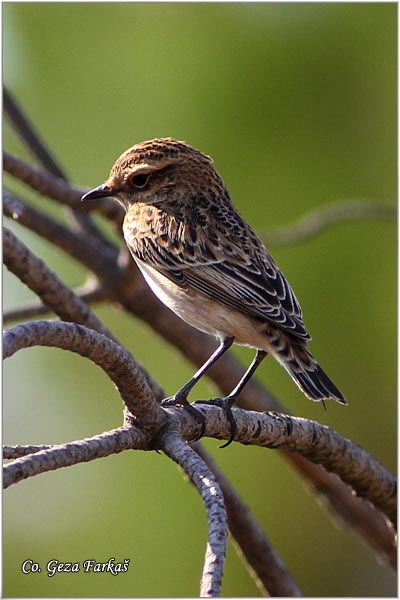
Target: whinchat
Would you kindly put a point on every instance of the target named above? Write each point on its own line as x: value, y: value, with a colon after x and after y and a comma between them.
x: 202, y: 260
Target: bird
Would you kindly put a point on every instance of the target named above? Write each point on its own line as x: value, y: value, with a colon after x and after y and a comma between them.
x: 204, y: 262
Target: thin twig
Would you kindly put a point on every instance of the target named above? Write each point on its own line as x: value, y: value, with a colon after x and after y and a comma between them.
x: 266, y: 567
x: 314, y: 222
x: 56, y: 188
x: 204, y: 480
x: 90, y: 293
x: 131, y: 380
x: 26, y: 311
x: 21, y: 124
x: 29, y: 135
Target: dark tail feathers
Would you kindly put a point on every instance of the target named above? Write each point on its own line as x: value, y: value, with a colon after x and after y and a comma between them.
x: 310, y: 378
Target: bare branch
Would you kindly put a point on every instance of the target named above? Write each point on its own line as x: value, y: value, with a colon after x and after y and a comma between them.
x: 26, y: 311
x: 348, y: 509
x: 180, y: 452
x: 197, y: 347
x: 312, y: 223
x: 67, y: 194
x: 80, y: 221
x: 32, y: 271
x: 134, y: 295
x: 73, y: 453
x: 29, y: 135
x: 11, y: 452
x: 268, y: 570
x: 96, y: 255
x: 126, y: 373
x: 90, y: 293
x: 319, y: 443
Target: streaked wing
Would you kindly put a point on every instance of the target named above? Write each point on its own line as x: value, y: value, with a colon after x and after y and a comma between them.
x: 235, y: 270
x: 256, y: 294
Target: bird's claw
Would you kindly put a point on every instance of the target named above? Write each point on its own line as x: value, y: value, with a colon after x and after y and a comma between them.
x: 226, y: 405
x: 181, y: 401
x: 172, y: 401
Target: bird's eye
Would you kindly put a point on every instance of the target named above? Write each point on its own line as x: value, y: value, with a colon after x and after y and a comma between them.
x: 139, y: 180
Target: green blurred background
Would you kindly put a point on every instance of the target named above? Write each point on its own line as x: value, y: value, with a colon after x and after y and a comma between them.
x: 297, y: 105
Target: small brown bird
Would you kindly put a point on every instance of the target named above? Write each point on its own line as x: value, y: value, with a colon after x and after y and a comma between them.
x: 202, y: 260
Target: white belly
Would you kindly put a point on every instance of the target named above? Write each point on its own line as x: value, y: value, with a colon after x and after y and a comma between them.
x: 202, y: 312
x: 170, y: 294
x: 180, y: 301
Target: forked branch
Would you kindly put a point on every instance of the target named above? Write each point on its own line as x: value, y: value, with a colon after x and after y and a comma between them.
x: 273, y: 430
x: 50, y: 458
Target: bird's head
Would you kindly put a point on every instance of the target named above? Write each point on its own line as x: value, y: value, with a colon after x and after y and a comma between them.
x: 154, y: 171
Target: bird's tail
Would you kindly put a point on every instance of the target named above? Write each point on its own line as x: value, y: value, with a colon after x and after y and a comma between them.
x: 306, y: 372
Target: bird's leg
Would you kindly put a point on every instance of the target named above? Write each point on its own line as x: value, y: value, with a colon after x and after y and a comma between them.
x: 181, y: 395
x: 227, y: 402
x: 180, y: 398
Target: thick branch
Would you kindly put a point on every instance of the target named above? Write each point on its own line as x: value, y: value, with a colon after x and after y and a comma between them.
x: 11, y: 452
x: 66, y: 455
x: 180, y: 452
x: 196, y: 346
x: 266, y: 567
x: 118, y: 364
x: 312, y: 223
x: 319, y: 443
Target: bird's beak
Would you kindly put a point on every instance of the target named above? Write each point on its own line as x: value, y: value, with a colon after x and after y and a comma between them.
x: 102, y: 191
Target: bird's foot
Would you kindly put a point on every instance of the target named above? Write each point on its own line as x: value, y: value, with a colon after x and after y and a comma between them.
x: 180, y: 400
x: 173, y: 401
x: 226, y: 405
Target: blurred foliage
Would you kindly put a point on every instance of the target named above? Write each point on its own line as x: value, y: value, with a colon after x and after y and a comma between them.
x: 297, y: 105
